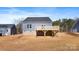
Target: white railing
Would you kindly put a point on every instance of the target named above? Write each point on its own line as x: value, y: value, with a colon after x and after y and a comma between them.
x: 48, y: 28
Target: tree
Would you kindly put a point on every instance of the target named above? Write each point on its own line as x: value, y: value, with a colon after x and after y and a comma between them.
x: 18, y: 23
x: 56, y: 23
x: 70, y: 23
x: 67, y: 24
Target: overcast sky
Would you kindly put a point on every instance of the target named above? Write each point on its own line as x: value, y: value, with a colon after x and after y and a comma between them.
x: 9, y: 15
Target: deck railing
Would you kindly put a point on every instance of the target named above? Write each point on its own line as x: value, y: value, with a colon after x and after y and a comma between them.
x: 48, y: 28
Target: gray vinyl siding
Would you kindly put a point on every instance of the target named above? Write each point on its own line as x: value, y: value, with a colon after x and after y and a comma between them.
x: 5, y: 31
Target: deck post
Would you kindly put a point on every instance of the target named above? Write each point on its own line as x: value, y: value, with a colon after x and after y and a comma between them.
x: 44, y: 33
x: 52, y: 33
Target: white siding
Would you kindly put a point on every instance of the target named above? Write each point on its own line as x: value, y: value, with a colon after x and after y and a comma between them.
x: 35, y: 25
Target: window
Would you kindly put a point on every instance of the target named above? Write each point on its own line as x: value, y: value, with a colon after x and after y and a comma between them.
x: 43, y: 26
x: 7, y: 30
x: 29, y: 26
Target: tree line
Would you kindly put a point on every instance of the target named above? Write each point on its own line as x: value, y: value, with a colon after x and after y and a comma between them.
x: 64, y: 24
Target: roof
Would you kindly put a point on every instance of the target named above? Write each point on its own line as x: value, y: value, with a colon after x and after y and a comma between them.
x: 37, y: 19
x: 7, y: 25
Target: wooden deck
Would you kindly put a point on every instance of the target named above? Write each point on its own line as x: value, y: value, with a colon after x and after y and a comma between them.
x: 48, y: 30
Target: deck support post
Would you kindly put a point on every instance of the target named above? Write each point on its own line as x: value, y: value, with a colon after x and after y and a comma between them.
x: 53, y: 33
x: 44, y: 33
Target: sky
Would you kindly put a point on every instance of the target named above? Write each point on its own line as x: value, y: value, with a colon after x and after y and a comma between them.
x: 10, y: 15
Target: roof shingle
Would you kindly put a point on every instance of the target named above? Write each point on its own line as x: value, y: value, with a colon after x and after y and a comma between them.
x: 37, y: 19
x: 7, y: 25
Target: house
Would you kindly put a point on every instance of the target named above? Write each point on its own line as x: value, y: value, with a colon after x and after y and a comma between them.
x: 39, y: 26
x: 75, y: 27
x: 7, y: 29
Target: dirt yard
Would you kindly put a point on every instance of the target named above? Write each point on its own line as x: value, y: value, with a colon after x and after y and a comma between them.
x: 60, y: 42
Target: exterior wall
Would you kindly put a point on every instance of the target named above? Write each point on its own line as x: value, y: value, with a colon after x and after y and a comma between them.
x: 13, y: 30
x: 9, y: 31
x: 33, y: 33
x: 5, y: 31
x: 35, y: 25
x: 75, y: 28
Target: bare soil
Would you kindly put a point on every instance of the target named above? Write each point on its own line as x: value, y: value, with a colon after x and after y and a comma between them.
x: 60, y: 42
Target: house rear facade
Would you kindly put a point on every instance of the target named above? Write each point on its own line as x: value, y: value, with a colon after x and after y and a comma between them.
x: 31, y: 24
x: 7, y: 29
x: 39, y: 26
